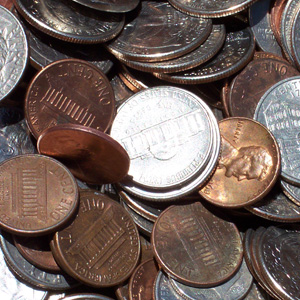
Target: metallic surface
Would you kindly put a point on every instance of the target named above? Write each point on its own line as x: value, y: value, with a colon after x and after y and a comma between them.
x: 163, y: 289
x: 89, y: 296
x: 257, y: 293
x: 276, y: 13
x: 7, y: 4
x: 291, y: 191
x: 69, y: 91
x: 295, y: 39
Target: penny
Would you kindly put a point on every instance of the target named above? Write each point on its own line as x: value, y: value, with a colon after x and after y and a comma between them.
x: 85, y: 297
x: 39, y: 195
x: 225, y: 97
x: 146, y: 249
x: 291, y: 191
x: 12, y: 288
x: 198, y: 56
x: 251, y: 84
x: 159, y: 32
x: 117, y: 6
x: 260, y: 24
x: 7, y: 4
x: 248, y: 167
x: 101, y: 247
x: 195, y: 247
x: 69, y: 22
x: 279, y: 111
x: 261, y: 54
x: 91, y: 155
x: 30, y: 274
x: 37, y: 251
x: 14, y: 52
x: 122, y: 292
x: 211, y: 8
x: 121, y: 91
x: 295, y: 39
x: 236, y: 52
x: 174, y: 132
x: 234, y: 289
x: 276, y: 13
x: 69, y: 91
x: 142, y: 280
x: 163, y: 289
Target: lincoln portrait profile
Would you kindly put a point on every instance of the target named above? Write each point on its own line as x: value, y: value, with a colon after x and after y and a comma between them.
x: 252, y: 162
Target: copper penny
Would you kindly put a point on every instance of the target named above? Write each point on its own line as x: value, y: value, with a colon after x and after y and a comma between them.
x: 249, y: 86
x: 37, y: 251
x: 69, y: 91
x: 38, y: 195
x: 91, y: 155
x: 7, y: 3
x: 196, y: 247
x: 142, y: 281
x: 101, y: 247
x: 276, y: 14
x: 248, y: 167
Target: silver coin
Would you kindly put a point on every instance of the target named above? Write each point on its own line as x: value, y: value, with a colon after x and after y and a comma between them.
x: 83, y: 296
x: 260, y: 24
x: 279, y: 110
x: 295, y: 39
x: 257, y: 293
x: 66, y: 21
x: 159, y: 32
x: 13, y: 52
x: 190, y: 60
x: 163, y: 289
x: 291, y: 191
x: 117, y: 6
x: 52, y: 296
x: 171, y: 137
x: 234, y: 289
x: 121, y: 91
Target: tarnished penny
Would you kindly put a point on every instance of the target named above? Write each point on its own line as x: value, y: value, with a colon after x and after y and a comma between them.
x: 248, y: 167
x: 91, y: 155
x: 250, y: 85
x: 142, y: 281
x: 38, y: 195
x: 101, y: 247
x: 7, y: 3
x: 196, y: 247
x: 69, y: 91
x: 37, y: 251
x: 276, y: 13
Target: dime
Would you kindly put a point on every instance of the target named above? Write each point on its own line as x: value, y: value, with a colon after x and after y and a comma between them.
x: 279, y: 111
x: 251, y: 84
x: 163, y: 289
x: 291, y: 191
x: 159, y: 32
x: 195, y: 247
x: 39, y: 195
x: 14, y: 52
x: 69, y: 22
x: 248, y: 167
x: 69, y: 91
x: 101, y: 247
x: 91, y: 155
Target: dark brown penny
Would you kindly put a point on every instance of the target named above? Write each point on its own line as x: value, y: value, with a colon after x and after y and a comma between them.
x: 248, y: 167
x: 38, y: 195
x: 91, y: 155
x: 276, y: 14
x: 69, y: 91
x: 146, y: 249
x: 37, y: 251
x: 196, y: 247
x: 101, y: 247
x: 7, y: 3
x: 225, y: 96
x: 253, y: 82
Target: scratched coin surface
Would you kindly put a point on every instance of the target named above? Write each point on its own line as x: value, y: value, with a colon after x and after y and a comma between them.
x: 279, y: 111
x: 69, y: 91
x: 101, y: 248
x: 38, y: 195
x: 69, y: 22
x: 248, y: 167
x: 14, y: 52
x: 195, y: 247
x: 159, y: 32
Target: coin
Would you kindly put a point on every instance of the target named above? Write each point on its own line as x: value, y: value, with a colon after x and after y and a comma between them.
x: 14, y: 52
x: 291, y: 191
x: 121, y: 91
x: 163, y: 289
x: 69, y: 91
x: 276, y: 13
x: 101, y: 247
x: 257, y: 293
x: 40, y: 195
x: 85, y: 297
x: 295, y: 38
x: 195, y: 247
x: 159, y: 32
x: 7, y: 4
x: 279, y: 111
x: 69, y: 22
x: 248, y: 167
x: 91, y: 155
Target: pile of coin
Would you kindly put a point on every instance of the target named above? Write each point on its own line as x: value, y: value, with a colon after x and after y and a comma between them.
x: 149, y: 149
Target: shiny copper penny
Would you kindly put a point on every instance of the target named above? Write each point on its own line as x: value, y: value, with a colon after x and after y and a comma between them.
x: 250, y: 85
x: 249, y: 165
x: 38, y: 195
x: 142, y: 281
x: 37, y: 251
x: 69, y: 91
x: 101, y: 247
x: 91, y: 155
x: 196, y: 247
